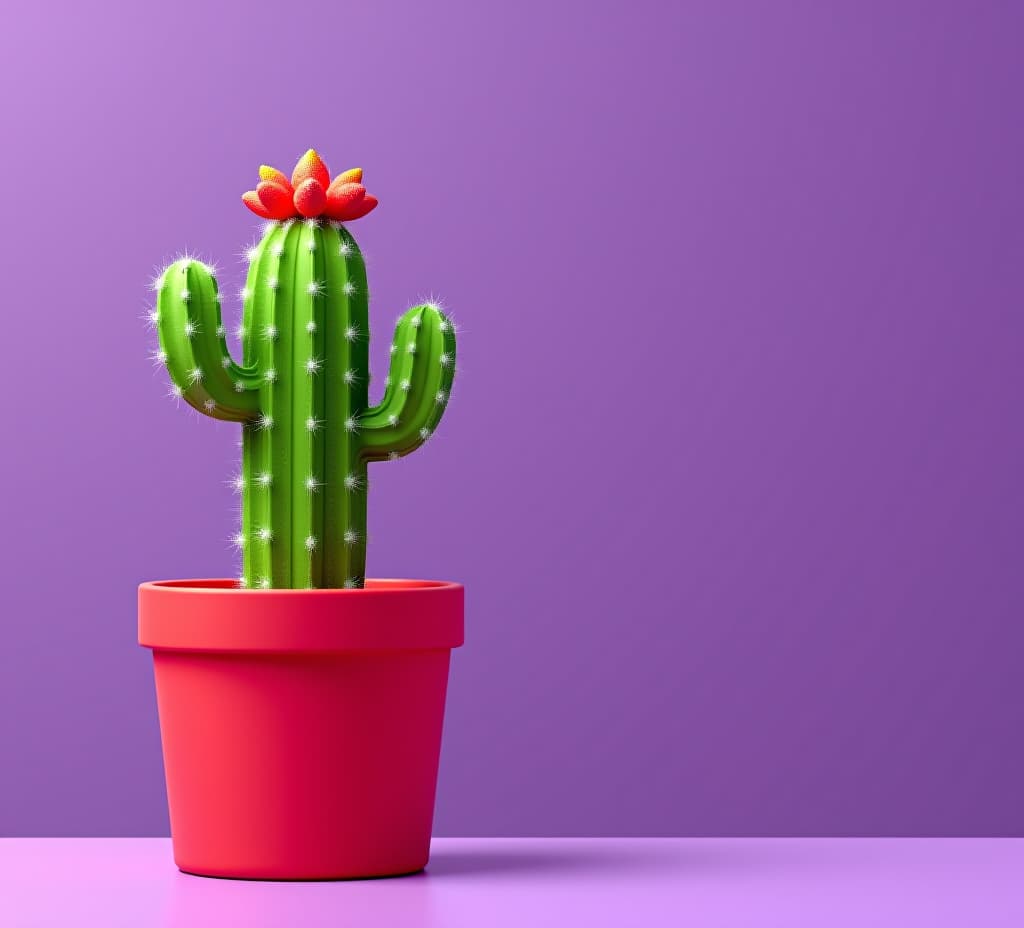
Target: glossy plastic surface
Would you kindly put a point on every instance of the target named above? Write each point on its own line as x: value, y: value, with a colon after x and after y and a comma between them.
x: 301, y: 729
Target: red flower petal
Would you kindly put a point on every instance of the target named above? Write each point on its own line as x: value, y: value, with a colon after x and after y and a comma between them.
x: 310, y: 166
x: 368, y: 203
x: 250, y: 199
x: 275, y: 177
x: 275, y: 199
x: 310, y: 198
x: 343, y: 200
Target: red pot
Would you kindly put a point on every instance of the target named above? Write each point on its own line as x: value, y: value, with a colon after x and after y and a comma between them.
x: 301, y: 728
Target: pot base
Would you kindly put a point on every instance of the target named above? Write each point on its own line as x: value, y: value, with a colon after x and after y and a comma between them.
x: 300, y: 879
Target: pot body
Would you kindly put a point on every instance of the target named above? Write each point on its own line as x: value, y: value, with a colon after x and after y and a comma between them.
x: 301, y: 729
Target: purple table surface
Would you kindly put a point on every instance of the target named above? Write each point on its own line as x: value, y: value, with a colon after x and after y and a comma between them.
x: 705, y: 882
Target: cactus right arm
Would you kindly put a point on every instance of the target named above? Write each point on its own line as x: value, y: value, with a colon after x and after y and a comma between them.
x: 418, y: 384
x: 194, y: 349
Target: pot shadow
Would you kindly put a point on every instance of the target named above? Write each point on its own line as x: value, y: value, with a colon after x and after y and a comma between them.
x: 689, y: 858
x: 532, y: 859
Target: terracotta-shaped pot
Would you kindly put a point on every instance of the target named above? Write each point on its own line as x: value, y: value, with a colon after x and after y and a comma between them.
x: 301, y: 728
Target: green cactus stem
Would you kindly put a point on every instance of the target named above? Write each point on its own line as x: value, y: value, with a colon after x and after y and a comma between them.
x: 300, y: 395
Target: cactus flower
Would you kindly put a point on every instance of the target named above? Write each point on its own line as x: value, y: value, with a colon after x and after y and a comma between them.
x: 309, y: 193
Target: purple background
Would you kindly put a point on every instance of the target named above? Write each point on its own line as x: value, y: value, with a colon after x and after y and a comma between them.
x: 733, y: 467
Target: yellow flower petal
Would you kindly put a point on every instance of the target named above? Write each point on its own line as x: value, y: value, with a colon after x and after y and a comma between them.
x: 274, y: 176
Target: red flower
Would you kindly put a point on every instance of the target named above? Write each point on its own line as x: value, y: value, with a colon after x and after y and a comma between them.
x: 310, y: 193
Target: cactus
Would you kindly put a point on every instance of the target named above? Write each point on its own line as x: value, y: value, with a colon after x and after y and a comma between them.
x: 301, y: 391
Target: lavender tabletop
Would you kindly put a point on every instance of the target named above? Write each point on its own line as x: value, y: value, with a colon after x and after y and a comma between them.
x: 496, y: 882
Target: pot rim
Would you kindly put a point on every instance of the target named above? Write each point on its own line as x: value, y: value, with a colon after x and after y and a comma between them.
x: 214, y: 614
x: 377, y: 586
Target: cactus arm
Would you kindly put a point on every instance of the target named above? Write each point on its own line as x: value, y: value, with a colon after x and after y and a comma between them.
x: 193, y: 347
x: 418, y: 385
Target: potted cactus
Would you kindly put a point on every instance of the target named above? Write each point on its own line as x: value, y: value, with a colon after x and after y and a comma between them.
x: 301, y: 704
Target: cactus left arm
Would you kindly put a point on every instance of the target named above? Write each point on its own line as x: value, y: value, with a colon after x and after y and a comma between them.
x: 193, y: 346
x: 418, y: 385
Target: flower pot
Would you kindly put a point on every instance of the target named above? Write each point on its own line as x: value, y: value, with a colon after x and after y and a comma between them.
x: 301, y: 729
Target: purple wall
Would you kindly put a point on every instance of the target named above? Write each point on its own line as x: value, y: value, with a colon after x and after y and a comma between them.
x: 733, y: 469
